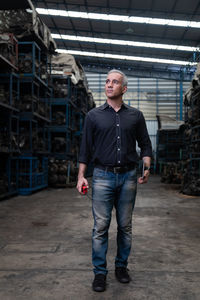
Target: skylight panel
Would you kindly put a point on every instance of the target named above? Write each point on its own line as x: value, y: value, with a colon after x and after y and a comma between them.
x: 118, y: 18
x: 123, y: 42
x: 126, y: 57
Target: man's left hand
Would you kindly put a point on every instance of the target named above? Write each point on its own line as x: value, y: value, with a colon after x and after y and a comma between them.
x: 145, y: 178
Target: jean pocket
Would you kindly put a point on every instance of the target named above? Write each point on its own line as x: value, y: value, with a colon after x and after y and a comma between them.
x: 132, y: 174
x: 98, y: 173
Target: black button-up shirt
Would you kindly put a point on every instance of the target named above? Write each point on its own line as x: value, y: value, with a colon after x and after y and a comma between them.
x: 109, y: 137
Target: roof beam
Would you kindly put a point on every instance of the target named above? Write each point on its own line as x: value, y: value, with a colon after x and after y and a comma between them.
x: 104, y: 34
x: 138, y: 71
x: 102, y: 8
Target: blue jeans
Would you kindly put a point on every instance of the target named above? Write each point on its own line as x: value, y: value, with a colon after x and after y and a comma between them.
x: 108, y: 190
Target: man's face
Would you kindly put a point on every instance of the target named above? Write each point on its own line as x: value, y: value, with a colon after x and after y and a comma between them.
x: 114, y: 87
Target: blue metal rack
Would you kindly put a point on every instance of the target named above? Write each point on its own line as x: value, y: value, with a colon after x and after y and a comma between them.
x: 61, y: 113
x: 60, y: 141
x: 33, y: 135
x: 33, y: 174
x: 9, y: 89
x: 29, y: 59
x: 9, y: 131
x: 8, y: 176
x: 9, y: 58
x: 35, y: 98
x: 29, y: 95
x: 78, y: 118
x: 69, y: 105
x: 12, y: 173
x: 32, y: 61
x: 63, y: 88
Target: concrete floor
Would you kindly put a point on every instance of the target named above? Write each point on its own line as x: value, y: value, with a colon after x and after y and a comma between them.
x: 45, y: 247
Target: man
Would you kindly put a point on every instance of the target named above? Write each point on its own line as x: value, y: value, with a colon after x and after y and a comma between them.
x: 109, y: 141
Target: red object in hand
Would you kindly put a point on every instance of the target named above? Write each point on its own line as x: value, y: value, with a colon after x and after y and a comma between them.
x: 84, y: 189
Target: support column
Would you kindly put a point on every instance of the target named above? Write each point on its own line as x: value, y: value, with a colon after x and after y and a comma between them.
x: 181, y: 97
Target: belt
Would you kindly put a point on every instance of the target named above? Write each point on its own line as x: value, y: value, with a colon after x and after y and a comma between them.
x: 122, y: 169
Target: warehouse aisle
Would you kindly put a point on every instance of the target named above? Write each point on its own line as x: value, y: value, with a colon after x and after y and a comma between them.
x: 45, y: 247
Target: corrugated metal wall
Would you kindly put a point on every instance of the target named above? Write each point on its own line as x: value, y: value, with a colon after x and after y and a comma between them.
x: 152, y: 96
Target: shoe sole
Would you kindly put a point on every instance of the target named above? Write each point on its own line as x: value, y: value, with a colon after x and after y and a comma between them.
x: 98, y: 289
x: 126, y: 281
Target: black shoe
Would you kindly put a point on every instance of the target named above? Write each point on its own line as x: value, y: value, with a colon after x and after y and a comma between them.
x: 99, y: 283
x: 122, y: 274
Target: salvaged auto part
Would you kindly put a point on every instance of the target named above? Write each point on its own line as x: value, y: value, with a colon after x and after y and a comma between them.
x: 66, y: 64
x: 9, y: 48
x: 26, y: 24
x: 62, y: 172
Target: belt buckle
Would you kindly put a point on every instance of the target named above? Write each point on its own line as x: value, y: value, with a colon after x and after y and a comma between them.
x: 117, y: 169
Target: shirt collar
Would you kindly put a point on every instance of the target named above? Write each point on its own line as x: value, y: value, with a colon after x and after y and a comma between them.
x: 125, y: 105
x: 105, y: 105
x: 102, y: 107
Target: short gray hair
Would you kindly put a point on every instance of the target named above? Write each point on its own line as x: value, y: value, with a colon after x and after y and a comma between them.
x: 125, y: 79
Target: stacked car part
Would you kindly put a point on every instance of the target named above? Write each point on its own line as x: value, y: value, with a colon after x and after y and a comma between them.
x: 172, y: 172
x: 9, y: 114
x: 191, y: 150
x: 26, y: 25
x: 34, y: 117
x: 184, y: 165
x: 170, y: 142
x: 70, y: 102
x: 9, y: 48
x: 169, y: 145
x: 41, y: 115
x: 25, y: 50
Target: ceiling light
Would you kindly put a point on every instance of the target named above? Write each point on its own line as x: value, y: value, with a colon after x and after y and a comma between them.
x: 123, y: 42
x: 118, y: 18
x: 126, y: 57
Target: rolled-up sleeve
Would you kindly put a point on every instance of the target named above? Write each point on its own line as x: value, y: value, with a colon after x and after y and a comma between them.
x: 87, y: 141
x: 142, y: 137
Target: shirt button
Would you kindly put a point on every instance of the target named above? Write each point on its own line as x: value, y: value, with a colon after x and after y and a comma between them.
x: 119, y: 161
x: 117, y: 124
x: 118, y: 149
x: 118, y: 137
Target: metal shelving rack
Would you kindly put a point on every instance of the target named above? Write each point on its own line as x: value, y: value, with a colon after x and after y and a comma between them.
x: 9, y: 120
x: 34, y: 117
x: 8, y: 56
x: 9, y: 131
x: 60, y: 112
x: 8, y: 176
x: 191, y: 164
x: 9, y: 90
x: 28, y: 63
x: 169, y: 145
x: 33, y: 174
x: 67, y: 116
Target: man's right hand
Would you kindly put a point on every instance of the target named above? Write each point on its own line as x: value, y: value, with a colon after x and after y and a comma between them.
x: 82, y: 181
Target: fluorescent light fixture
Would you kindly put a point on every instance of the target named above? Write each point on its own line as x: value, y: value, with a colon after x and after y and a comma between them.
x: 122, y: 42
x: 124, y: 57
x: 118, y: 18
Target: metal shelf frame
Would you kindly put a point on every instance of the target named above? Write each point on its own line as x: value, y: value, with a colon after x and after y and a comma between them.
x: 9, y: 171
x: 9, y: 84
x: 31, y: 52
x: 33, y: 174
